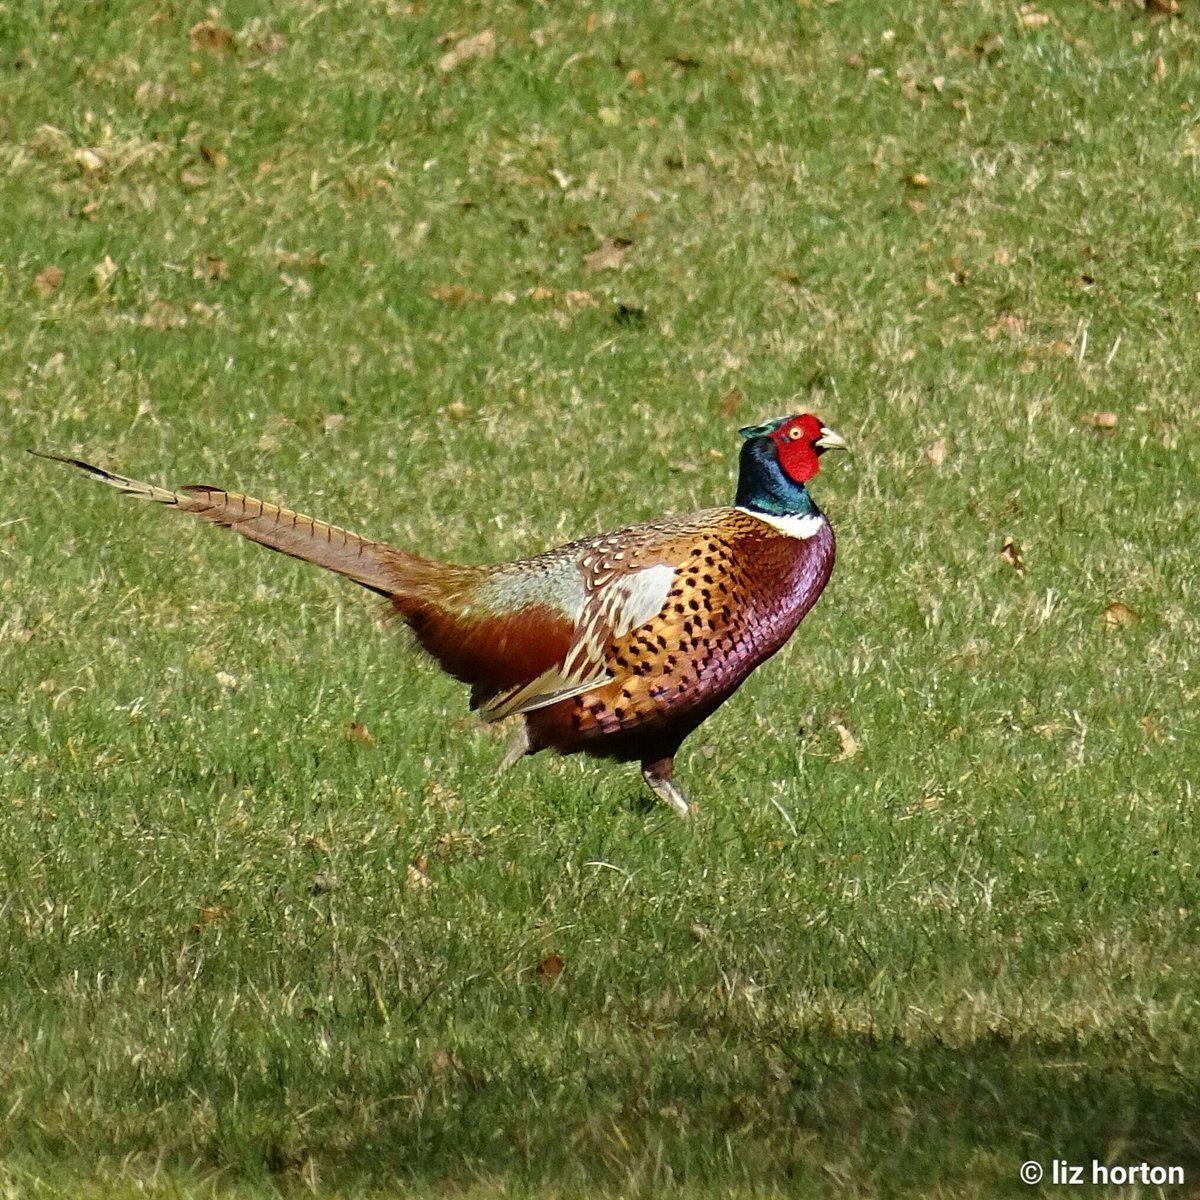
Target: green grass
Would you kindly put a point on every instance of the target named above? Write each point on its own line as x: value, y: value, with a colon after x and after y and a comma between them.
x: 972, y: 943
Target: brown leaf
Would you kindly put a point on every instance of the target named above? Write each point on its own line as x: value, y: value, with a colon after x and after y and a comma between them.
x: 574, y: 300
x: 1011, y: 553
x: 209, y: 37
x: 415, y: 876
x: 162, y: 315
x: 847, y: 746
x: 48, y: 280
x: 938, y: 451
x: 1100, y: 420
x: 1120, y: 616
x: 608, y: 255
x: 550, y: 968
x: 355, y: 731
x: 210, y: 267
x: 481, y: 46
x: 1163, y: 8
x: 1007, y: 324
x: 729, y: 403
x: 635, y: 78
x: 925, y: 804
x: 268, y: 44
x: 918, y: 180
x: 454, y: 295
x: 330, y: 424
x: 212, y: 912
x: 458, y: 410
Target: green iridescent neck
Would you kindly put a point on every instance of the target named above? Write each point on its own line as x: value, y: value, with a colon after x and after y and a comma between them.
x: 763, y: 486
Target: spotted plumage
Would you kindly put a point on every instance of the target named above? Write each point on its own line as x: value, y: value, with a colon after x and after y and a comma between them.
x: 617, y: 645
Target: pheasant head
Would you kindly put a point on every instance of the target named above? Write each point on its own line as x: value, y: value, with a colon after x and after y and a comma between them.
x: 777, y: 461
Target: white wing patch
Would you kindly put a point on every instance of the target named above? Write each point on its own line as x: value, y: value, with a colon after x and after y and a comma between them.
x: 617, y: 607
x: 632, y: 600
x: 791, y: 524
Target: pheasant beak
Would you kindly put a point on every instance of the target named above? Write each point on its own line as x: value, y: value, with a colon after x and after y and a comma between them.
x: 830, y: 440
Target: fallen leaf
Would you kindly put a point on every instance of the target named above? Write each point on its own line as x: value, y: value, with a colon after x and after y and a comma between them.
x: 700, y: 932
x: 163, y: 315
x: 212, y: 912
x: 212, y: 38
x: 1120, y: 616
x: 1100, y: 420
x: 925, y: 804
x: 48, y: 280
x: 355, y: 731
x: 1011, y: 553
x: 550, y: 968
x: 938, y: 451
x: 854, y: 61
x: 226, y: 680
x: 267, y: 44
x: 574, y: 300
x: 1007, y: 324
x: 454, y: 294
x: 481, y: 46
x: 1150, y: 728
x: 847, y: 746
x: 192, y: 178
x: 608, y: 255
x: 918, y: 180
x: 322, y: 882
x: 210, y: 267
x: 330, y: 424
x: 539, y: 294
x: 457, y: 410
x: 1159, y: 71
x: 441, y: 1061
x: 729, y: 403
x: 1035, y: 20
x: 1163, y: 8
x: 415, y: 876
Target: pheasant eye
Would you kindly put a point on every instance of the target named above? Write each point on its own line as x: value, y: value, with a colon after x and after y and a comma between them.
x: 795, y: 433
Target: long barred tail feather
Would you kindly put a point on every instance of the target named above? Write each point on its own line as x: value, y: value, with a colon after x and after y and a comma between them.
x: 375, y: 565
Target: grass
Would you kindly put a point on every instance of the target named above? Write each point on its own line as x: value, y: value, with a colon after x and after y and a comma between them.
x: 971, y: 943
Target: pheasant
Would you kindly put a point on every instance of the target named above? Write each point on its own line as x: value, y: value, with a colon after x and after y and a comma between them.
x: 617, y: 645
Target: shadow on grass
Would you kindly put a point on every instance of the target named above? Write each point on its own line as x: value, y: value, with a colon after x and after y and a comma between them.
x: 839, y: 1112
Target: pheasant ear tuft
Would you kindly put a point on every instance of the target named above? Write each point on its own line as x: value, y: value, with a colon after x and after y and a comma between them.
x: 757, y: 431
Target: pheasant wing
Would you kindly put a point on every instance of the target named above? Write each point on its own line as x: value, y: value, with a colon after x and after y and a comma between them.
x: 623, y: 589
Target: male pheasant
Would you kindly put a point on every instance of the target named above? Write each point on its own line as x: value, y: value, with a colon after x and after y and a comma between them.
x: 617, y: 645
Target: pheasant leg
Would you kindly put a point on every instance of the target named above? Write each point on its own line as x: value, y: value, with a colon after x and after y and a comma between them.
x: 659, y: 774
x: 518, y: 745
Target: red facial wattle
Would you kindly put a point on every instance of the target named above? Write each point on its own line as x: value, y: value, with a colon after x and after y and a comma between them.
x: 795, y: 445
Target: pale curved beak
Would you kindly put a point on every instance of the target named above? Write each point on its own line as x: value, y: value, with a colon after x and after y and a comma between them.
x: 830, y: 440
